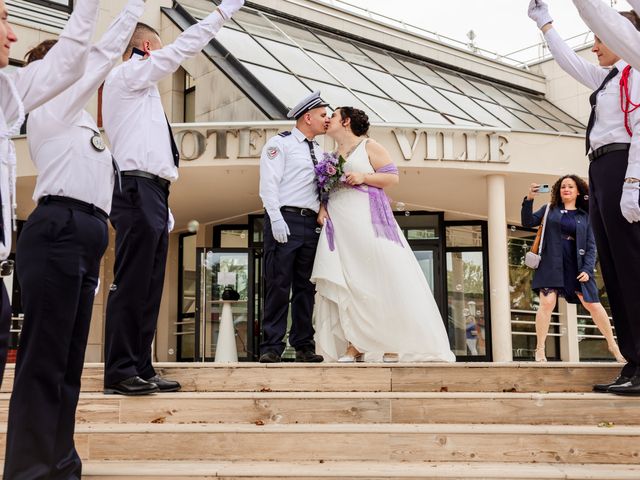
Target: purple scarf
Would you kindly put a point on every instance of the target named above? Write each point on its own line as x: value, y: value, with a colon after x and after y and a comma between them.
x: 384, y: 224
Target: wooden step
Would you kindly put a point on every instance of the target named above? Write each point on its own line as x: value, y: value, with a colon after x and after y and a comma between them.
x: 354, y: 470
x: 361, y: 408
x: 352, y: 442
x: 325, y: 377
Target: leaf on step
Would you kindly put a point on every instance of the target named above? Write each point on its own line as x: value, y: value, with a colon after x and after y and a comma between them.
x: 259, y: 422
x: 606, y: 425
x: 265, y: 389
x: 159, y: 420
x: 444, y: 389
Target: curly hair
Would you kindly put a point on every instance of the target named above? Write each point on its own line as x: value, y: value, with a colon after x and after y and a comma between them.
x: 632, y: 16
x: 359, y: 120
x: 39, y: 51
x: 582, y: 201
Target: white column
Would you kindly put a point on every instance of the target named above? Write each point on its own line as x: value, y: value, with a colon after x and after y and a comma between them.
x: 499, y: 270
x: 569, y: 345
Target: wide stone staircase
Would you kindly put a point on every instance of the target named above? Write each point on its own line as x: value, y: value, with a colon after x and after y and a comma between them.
x: 291, y: 421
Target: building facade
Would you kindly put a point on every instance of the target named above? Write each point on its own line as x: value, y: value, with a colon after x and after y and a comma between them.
x: 468, y: 133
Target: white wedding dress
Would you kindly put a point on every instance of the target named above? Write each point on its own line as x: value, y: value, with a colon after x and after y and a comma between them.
x: 371, y: 291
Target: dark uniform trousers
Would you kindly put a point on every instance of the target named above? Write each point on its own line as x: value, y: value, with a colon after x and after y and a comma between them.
x: 618, y: 243
x: 287, y: 269
x: 5, y: 327
x: 58, y: 266
x: 139, y: 215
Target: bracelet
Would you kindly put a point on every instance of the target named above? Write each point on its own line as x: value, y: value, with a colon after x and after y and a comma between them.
x: 631, y: 180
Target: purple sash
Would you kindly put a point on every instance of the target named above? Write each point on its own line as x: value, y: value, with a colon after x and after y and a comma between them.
x: 384, y: 223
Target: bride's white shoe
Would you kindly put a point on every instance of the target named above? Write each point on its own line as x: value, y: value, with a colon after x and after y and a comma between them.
x: 348, y: 358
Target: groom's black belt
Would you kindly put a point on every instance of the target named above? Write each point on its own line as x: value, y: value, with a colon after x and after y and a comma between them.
x: 305, y: 212
x: 612, y: 147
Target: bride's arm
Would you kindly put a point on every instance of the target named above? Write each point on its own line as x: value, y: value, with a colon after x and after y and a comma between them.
x: 379, y: 158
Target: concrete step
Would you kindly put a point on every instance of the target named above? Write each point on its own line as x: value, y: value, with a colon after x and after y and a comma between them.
x: 361, y: 408
x: 325, y: 377
x: 353, y: 442
x: 355, y: 470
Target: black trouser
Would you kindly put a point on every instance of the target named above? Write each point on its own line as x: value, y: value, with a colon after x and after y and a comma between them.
x: 5, y: 327
x: 58, y: 266
x: 287, y: 269
x: 139, y: 215
x: 618, y: 243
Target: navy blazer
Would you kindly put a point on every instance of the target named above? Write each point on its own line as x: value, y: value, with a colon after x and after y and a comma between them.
x: 550, y: 272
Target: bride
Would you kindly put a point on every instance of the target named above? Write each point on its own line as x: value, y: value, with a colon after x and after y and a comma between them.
x: 372, y: 300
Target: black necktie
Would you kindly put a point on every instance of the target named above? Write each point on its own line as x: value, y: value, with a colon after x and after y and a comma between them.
x: 312, y: 151
x: 593, y: 100
x: 174, y: 148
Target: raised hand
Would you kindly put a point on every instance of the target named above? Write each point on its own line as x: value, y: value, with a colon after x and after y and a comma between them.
x: 533, y: 191
x: 228, y: 7
x: 280, y: 230
x: 539, y: 13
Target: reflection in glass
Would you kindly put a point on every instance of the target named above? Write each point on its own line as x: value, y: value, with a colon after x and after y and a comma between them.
x: 426, y: 262
x: 465, y: 287
x: 185, y: 330
x: 464, y: 236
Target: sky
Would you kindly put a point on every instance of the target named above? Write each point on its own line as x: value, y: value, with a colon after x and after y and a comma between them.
x: 500, y: 26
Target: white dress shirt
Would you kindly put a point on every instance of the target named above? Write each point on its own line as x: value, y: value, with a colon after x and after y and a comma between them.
x: 609, y: 124
x: 35, y: 85
x: 622, y: 37
x: 287, y: 174
x: 134, y: 118
x: 60, y: 132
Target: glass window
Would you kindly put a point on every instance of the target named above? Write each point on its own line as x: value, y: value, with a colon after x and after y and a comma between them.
x: 294, y: 59
x: 427, y: 116
x: 427, y: 75
x: 506, y: 116
x: 286, y: 87
x: 499, y: 97
x: 347, y: 74
x: 434, y: 98
x: 387, y: 62
x: 562, y: 127
x: 416, y: 226
x: 243, y: 47
x: 392, y: 87
x: 304, y: 38
x: 189, y: 98
x: 256, y: 24
x: 464, y: 236
x: 535, y: 122
x: 348, y: 51
x: 472, y: 108
x: 234, y: 238
x: 465, y: 319
x: 341, y: 97
x: 66, y: 5
x: 562, y: 116
x: 186, y: 325
x: 529, y: 104
x: 464, y: 86
x: 390, y: 111
x: 461, y: 121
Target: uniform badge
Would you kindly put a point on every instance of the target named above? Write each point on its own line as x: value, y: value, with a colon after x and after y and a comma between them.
x: 97, y: 143
x: 272, y: 152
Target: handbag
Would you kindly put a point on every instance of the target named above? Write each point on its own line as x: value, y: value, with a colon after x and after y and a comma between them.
x: 533, y: 257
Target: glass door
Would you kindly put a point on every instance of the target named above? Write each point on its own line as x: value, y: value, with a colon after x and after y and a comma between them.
x: 229, y: 272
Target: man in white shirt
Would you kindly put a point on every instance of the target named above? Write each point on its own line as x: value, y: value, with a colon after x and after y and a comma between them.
x: 290, y: 196
x: 143, y: 147
x: 24, y: 90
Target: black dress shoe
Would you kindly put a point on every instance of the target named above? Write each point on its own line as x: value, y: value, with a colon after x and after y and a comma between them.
x: 163, y: 384
x: 269, y: 357
x: 308, y: 356
x: 604, y: 387
x: 632, y: 387
x: 131, y: 386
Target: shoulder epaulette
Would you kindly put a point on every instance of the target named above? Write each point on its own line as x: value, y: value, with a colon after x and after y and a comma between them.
x: 284, y: 134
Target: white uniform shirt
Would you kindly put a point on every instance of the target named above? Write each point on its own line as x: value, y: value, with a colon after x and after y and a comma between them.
x: 287, y: 174
x: 619, y: 34
x: 37, y: 84
x: 609, y: 125
x: 134, y: 118
x: 60, y: 132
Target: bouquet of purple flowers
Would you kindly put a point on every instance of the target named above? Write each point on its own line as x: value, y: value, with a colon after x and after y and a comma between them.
x: 329, y: 174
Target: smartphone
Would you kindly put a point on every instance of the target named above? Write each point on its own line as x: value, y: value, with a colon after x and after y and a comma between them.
x: 544, y: 188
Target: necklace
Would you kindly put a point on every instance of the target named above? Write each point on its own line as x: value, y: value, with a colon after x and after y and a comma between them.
x: 352, y: 149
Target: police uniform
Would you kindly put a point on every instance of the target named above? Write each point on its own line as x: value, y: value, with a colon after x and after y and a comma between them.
x: 289, y: 193
x: 58, y: 265
x: 144, y: 148
x: 613, y: 177
x: 20, y: 92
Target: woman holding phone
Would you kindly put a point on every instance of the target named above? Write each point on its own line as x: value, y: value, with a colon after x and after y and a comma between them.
x: 568, y: 258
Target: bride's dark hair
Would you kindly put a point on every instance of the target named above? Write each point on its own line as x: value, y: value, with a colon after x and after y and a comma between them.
x: 359, y: 120
x: 632, y: 16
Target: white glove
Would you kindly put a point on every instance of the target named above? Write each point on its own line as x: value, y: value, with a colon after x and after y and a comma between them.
x: 280, y: 230
x: 629, y: 202
x: 228, y: 7
x: 171, y: 222
x: 539, y: 13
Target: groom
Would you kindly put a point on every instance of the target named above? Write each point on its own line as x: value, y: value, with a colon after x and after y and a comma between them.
x: 290, y: 197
